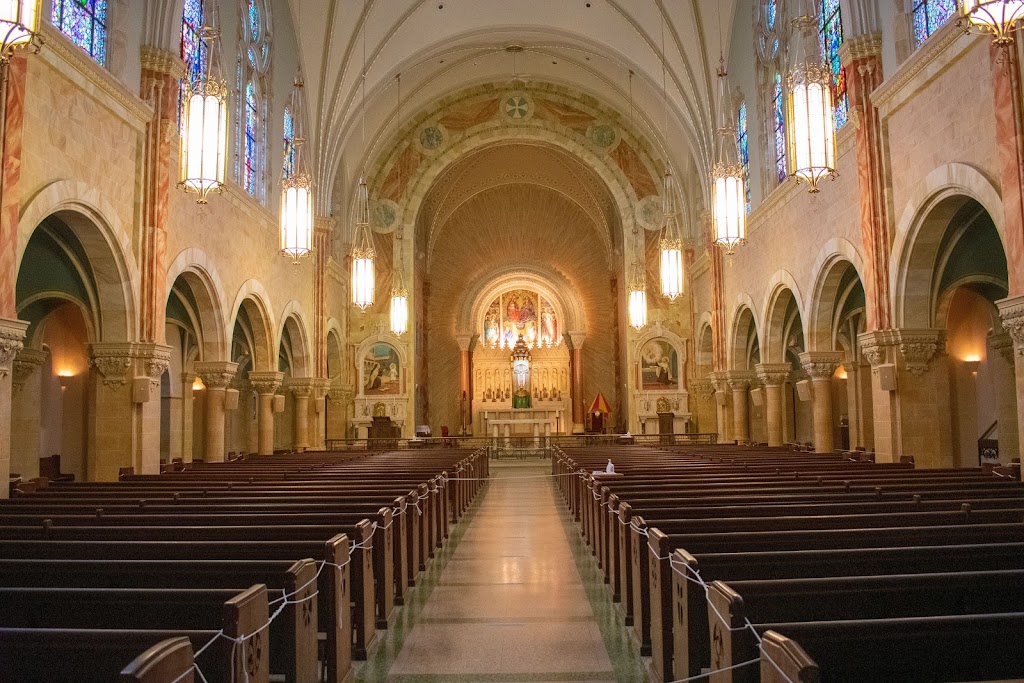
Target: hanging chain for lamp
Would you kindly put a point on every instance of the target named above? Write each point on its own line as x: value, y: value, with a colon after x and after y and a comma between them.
x: 204, y: 127
x: 399, y: 292
x: 363, y: 254
x: 1001, y: 18
x: 810, y: 120
x: 671, y: 244
x: 19, y: 27
x: 297, y: 190
x: 637, y: 288
x: 729, y: 211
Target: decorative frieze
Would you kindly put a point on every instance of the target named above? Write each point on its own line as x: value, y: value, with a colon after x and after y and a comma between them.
x: 702, y: 388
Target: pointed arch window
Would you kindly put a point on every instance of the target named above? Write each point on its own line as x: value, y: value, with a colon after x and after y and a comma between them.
x: 929, y: 16
x: 779, y: 120
x: 85, y: 23
x: 830, y: 35
x: 254, y: 80
x: 193, y: 49
x: 289, y: 143
x: 770, y: 49
x: 742, y: 142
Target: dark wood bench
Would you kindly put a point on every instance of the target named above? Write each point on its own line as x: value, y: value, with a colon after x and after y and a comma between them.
x: 168, y: 660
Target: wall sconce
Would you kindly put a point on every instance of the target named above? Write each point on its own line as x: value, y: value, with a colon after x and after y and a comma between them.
x: 973, y: 364
x: 197, y: 384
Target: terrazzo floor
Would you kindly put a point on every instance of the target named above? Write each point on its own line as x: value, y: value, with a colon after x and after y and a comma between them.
x: 514, y: 596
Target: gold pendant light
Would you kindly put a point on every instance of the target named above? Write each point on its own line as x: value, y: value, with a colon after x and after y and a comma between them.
x: 204, y: 127
x: 729, y: 211
x: 399, y: 292
x: 363, y: 253
x: 810, y: 120
x: 637, y: 289
x: 671, y: 244
x: 297, y: 192
x: 1001, y: 18
x: 19, y: 26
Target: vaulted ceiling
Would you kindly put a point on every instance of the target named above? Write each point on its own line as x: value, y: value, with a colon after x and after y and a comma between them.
x: 443, y: 46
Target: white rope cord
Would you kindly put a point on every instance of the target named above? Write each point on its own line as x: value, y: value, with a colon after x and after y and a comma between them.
x: 727, y: 668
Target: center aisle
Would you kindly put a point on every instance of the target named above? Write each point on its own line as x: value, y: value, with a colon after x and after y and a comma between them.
x: 514, y: 597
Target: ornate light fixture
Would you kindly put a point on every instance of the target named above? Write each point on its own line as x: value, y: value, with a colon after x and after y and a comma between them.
x: 729, y: 211
x: 399, y: 293
x: 19, y: 26
x: 362, y: 242
x: 637, y: 288
x: 297, y: 192
x: 204, y: 126
x: 521, y: 372
x: 671, y: 243
x: 810, y: 123
x: 998, y: 17
x: 362, y: 252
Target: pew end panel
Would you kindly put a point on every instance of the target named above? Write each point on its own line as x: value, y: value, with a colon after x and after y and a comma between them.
x: 383, y: 562
x: 731, y: 642
x: 614, y: 554
x: 626, y: 562
x: 640, y: 587
x: 660, y: 587
x: 301, y: 618
x: 690, y: 645
x: 336, y: 608
x: 168, y: 660
x: 245, y: 621
x: 784, y: 661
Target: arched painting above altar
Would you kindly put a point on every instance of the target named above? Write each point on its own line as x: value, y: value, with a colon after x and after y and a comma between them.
x: 520, y: 312
x: 382, y: 369
x: 659, y: 366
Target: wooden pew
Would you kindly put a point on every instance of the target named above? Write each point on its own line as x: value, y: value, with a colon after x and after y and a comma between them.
x: 168, y: 660
x: 85, y: 655
x: 293, y: 635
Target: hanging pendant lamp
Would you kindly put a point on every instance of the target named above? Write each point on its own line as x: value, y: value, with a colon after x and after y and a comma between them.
x: 1001, y: 18
x: 810, y: 120
x: 399, y: 292
x: 204, y: 127
x: 297, y: 192
x: 729, y: 214
x: 637, y: 289
x: 363, y: 254
x: 19, y: 26
x: 671, y: 244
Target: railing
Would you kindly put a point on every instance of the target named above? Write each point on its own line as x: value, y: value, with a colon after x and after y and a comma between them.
x: 522, y: 446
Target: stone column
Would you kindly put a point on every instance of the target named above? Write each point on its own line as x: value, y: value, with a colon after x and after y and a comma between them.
x: 465, y: 342
x: 820, y: 366
x: 26, y: 388
x: 739, y: 384
x: 774, y: 376
x: 12, y: 332
x: 301, y: 389
x: 110, y: 426
x: 718, y: 323
x: 1012, y: 312
x: 703, y: 390
x: 576, y: 368
x: 217, y: 376
x: 265, y: 384
x: 318, y: 417
x: 339, y: 399
x: 322, y: 227
x: 187, y: 380
x: 853, y: 402
x: 151, y: 362
x: 723, y: 406
x: 1009, y: 436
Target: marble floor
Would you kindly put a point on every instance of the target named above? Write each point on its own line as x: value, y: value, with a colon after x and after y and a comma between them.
x: 514, y: 596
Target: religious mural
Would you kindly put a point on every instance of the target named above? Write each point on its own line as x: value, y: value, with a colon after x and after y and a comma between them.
x: 659, y: 366
x: 520, y: 313
x: 381, y: 371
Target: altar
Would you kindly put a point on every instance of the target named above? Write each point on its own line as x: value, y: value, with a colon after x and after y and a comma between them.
x: 523, y: 422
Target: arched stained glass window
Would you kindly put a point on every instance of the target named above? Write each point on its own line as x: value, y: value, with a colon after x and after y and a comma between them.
x: 929, y: 16
x: 779, y: 111
x: 830, y: 33
x: 85, y: 23
x: 250, y: 170
x: 289, y: 143
x: 193, y: 49
x: 254, y: 79
x: 742, y: 142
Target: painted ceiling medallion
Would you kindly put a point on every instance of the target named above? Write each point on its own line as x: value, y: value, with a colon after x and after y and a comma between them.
x: 517, y: 107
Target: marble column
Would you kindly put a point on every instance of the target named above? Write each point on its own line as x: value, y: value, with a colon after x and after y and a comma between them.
x: 739, y: 384
x: 862, y: 59
x: 1012, y: 312
x: 265, y: 384
x: 302, y: 390
x: 820, y: 366
x: 774, y: 376
x: 14, y: 80
x: 465, y: 342
x: 217, y: 376
x: 576, y: 368
x: 187, y: 381
x: 12, y: 332
x: 322, y: 228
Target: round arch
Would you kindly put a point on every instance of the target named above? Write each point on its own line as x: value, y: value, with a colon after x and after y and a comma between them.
x: 549, y: 284
x: 782, y: 291
x: 832, y: 263
x: 742, y: 322
x: 197, y: 269
x: 294, y: 321
x: 256, y: 301
x: 107, y: 245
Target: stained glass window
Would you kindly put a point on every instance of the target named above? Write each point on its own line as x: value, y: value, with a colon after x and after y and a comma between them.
x: 251, y: 148
x: 930, y: 15
x: 289, y: 143
x: 193, y: 49
x: 744, y: 149
x: 779, y: 109
x: 830, y: 34
x: 85, y: 23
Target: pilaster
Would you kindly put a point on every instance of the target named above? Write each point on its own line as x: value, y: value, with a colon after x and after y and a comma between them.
x: 739, y: 384
x: 217, y: 376
x: 265, y: 384
x: 301, y: 390
x: 1011, y: 310
x: 774, y: 375
x: 187, y: 380
x: 322, y: 229
x: 12, y: 332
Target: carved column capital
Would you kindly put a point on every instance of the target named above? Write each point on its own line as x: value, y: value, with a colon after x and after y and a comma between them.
x: 154, y: 359
x: 1012, y: 313
x: 773, y: 374
x: 465, y: 341
x: 874, y: 346
x: 576, y: 339
x: 25, y: 363
x: 702, y: 388
x: 821, y: 365
x: 216, y: 374
x: 1003, y: 344
x: 265, y: 383
x: 113, y: 360
x: 918, y: 347
x: 739, y: 380
x: 301, y: 387
x: 12, y: 334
